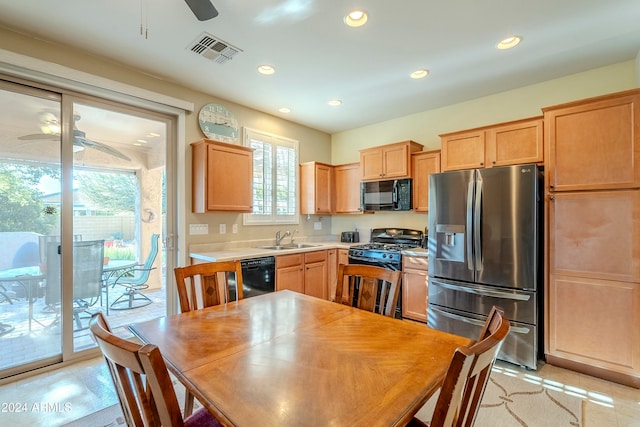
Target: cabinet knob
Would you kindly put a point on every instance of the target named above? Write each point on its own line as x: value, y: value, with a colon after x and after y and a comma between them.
x: 481, y: 164
x: 551, y: 186
x: 551, y: 198
x: 494, y: 162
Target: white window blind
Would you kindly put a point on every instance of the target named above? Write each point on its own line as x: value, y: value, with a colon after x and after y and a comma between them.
x: 275, y: 179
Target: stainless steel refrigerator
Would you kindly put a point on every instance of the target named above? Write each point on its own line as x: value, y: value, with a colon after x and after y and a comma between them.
x: 485, y: 249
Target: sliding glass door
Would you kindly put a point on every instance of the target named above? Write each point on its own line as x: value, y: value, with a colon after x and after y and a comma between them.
x: 30, y: 167
x: 83, y: 195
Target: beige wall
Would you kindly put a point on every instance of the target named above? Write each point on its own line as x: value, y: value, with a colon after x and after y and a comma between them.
x: 425, y: 127
x: 342, y: 147
x: 314, y: 145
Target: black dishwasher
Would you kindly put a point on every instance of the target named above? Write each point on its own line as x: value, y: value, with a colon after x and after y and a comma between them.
x: 258, y: 276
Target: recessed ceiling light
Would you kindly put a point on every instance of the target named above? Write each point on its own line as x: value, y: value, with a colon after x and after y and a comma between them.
x: 356, y: 18
x: 153, y: 135
x: 418, y: 74
x: 335, y: 102
x: 266, y: 69
x: 509, y: 42
x: 285, y: 110
x: 141, y: 141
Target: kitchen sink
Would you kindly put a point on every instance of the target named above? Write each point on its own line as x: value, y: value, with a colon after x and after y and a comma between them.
x: 288, y: 246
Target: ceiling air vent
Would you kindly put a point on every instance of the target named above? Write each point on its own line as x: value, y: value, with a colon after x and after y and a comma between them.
x: 214, y: 49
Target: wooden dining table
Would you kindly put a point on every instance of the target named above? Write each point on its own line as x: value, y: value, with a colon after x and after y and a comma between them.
x: 288, y: 359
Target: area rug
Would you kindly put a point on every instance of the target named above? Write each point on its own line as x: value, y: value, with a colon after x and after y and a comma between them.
x: 508, y: 402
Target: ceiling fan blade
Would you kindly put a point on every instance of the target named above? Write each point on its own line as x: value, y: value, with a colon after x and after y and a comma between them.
x: 34, y: 136
x: 203, y: 9
x: 100, y: 147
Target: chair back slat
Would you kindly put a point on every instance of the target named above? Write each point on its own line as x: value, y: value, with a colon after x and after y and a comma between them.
x: 468, y: 375
x: 140, y: 376
x: 208, y: 284
x: 376, y: 289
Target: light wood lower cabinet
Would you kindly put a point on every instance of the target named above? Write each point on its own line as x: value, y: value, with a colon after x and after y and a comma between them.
x: 306, y: 273
x: 596, y: 323
x: 290, y: 272
x: 593, y: 291
x: 414, y: 287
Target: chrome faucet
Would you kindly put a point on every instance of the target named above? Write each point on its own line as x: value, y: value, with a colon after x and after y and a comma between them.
x: 294, y: 232
x: 279, y: 239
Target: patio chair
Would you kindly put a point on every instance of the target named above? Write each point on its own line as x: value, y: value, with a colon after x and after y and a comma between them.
x: 87, y: 278
x: 135, y: 280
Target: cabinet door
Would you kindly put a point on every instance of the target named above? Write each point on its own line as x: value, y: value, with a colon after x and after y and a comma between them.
x: 290, y: 272
x: 463, y: 150
x: 315, y: 279
x: 595, y: 322
x: 395, y: 161
x: 332, y: 272
x: 371, y: 163
x: 414, y: 295
x: 316, y: 188
x: 347, y: 188
x: 594, y: 144
x: 595, y: 234
x: 515, y: 143
x: 423, y: 165
x: 229, y: 177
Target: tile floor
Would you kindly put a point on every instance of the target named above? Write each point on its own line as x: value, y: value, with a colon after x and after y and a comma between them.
x: 58, y: 397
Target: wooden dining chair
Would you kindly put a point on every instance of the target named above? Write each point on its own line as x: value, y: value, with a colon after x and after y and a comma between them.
x: 205, y: 285
x: 142, y: 381
x: 468, y: 375
x: 369, y: 287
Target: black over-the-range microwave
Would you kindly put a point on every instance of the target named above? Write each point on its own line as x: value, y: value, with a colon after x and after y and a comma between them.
x: 391, y: 195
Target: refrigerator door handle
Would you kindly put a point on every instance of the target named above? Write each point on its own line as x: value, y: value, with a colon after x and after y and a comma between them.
x: 474, y: 322
x: 484, y: 292
x: 477, y: 209
x: 469, y: 237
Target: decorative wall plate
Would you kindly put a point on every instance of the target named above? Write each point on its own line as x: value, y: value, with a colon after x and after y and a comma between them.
x: 218, y: 123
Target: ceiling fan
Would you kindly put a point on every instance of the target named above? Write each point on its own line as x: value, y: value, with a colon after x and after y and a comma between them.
x: 203, y: 9
x: 51, y: 130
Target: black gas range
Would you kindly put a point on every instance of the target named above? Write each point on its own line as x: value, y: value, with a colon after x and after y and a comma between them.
x: 386, y: 246
x: 385, y: 250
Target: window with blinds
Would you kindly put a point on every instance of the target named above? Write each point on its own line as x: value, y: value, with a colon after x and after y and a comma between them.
x: 275, y: 179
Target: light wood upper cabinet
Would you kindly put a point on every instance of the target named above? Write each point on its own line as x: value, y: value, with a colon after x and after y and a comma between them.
x: 463, y: 150
x: 594, y: 143
x: 347, y: 188
x: 222, y: 177
x: 502, y: 144
x: 316, y: 188
x: 423, y: 164
x: 388, y: 161
x: 414, y: 287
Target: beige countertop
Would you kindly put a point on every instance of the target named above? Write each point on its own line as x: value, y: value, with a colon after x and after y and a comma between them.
x: 247, y: 252
x: 230, y: 254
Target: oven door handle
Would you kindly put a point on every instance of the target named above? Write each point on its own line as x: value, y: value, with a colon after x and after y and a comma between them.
x: 474, y: 322
x: 357, y: 258
x: 484, y: 292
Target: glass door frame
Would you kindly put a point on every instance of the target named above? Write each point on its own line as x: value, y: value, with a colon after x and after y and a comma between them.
x: 174, y: 119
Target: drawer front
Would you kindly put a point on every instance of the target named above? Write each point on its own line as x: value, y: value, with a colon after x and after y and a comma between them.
x: 415, y: 262
x: 289, y: 260
x: 317, y: 256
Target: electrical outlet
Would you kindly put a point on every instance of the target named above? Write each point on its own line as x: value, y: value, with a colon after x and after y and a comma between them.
x: 223, y: 228
x: 234, y: 228
x: 317, y: 225
x: 198, y: 229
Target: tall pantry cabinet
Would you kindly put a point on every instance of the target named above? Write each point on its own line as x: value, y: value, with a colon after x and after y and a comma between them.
x: 593, y: 236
